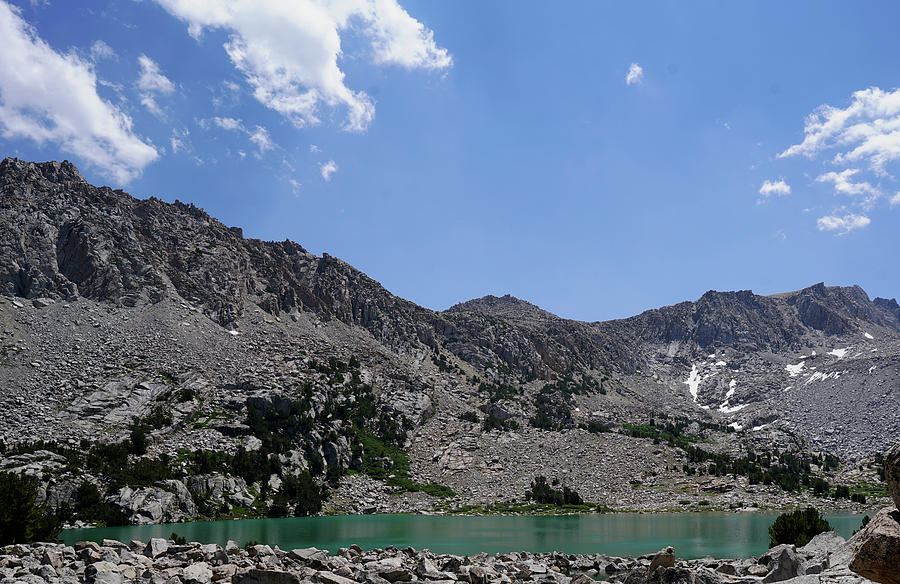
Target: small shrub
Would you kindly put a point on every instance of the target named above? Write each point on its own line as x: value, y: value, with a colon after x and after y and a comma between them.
x: 797, y: 527
x: 178, y: 539
x: 469, y: 417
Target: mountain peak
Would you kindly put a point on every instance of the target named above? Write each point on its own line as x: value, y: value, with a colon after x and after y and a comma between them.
x: 51, y: 171
x: 506, y: 305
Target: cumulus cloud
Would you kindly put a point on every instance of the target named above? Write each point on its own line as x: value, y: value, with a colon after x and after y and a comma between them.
x: 635, y: 74
x: 51, y: 97
x: 843, y: 224
x: 328, y: 169
x: 777, y: 188
x: 863, y: 140
x: 866, y: 130
x: 101, y: 51
x: 895, y: 200
x: 152, y: 83
x: 289, y: 51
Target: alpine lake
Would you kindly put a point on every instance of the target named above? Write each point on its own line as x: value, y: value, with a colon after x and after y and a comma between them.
x: 694, y: 535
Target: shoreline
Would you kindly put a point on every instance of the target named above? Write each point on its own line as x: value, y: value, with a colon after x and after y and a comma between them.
x: 167, y: 561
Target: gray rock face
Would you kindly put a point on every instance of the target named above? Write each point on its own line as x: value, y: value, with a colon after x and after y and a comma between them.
x: 892, y: 473
x: 168, y: 502
x: 221, y: 489
x: 877, y: 548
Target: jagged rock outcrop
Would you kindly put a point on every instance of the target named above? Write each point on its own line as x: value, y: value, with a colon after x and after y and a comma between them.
x: 167, y: 502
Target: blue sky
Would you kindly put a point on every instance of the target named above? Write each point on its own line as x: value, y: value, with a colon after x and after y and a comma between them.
x: 597, y: 159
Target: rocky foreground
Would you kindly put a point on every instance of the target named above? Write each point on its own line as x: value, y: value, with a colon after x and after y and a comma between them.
x: 825, y: 559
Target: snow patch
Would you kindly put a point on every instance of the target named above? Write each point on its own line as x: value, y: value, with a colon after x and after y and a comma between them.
x: 794, y: 370
x: 868, y: 336
x: 725, y: 409
x: 736, y: 426
x: 234, y: 333
x: 693, y: 382
x: 721, y: 363
x: 872, y: 368
x: 758, y: 428
x: 839, y: 353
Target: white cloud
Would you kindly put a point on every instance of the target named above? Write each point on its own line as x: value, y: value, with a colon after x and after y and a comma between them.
x: 895, y: 200
x: 50, y: 97
x: 328, y: 169
x: 295, y: 186
x: 180, y: 140
x: 228, y: 123
x: 777, y: 188
x: 260, y: 137
x: 151, y: 83
x: 152, y: 80
x: 635, y: 74
x: 867, y: 129
x: 100, y: 51
x: 289, y: 51
x: 843, y: 224
x: 843, y: 184
x: 314, y: 149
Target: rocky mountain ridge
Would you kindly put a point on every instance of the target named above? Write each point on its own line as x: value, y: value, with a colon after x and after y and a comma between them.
x: 114, y: 307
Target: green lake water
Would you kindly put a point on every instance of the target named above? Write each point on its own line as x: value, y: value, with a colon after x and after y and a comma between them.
x: 694, y: 535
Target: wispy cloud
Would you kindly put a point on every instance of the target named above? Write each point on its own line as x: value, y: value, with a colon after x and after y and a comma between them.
x: 152, y: 83
x: 289, y: 52
x: 635, y: 74
x: 101, y: 51
x: 73, y: 115
x: 258, y: 135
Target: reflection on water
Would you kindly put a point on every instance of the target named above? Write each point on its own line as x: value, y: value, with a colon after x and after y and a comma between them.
x: 694, y: 535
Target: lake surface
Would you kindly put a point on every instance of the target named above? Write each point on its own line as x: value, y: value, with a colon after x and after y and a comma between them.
x: 694, y: 535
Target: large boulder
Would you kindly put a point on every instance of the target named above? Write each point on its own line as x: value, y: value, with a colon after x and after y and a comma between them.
x: 782, y: 563
x: 876, y: 554
x: 892, y: 473
x: 665, y: 558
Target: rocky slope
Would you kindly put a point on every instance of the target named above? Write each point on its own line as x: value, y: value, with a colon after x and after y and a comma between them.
x: 121, y: 315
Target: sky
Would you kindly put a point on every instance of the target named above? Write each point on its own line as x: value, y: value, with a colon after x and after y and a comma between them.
x: 597, y: 159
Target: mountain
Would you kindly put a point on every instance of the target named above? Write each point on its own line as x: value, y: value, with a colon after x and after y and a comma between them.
x: 153, y: 326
